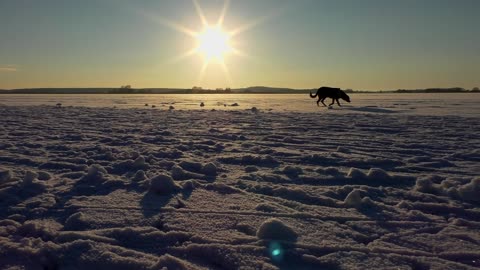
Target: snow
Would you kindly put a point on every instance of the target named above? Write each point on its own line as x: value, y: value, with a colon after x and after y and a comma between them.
x: 163, y: 185
x: 274, y: 229
x: 274, y: 188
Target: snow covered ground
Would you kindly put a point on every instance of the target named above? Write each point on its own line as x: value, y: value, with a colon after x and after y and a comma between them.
x: 386, y: 182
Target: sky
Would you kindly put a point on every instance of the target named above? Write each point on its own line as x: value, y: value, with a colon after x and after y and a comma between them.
x: 304, y: 44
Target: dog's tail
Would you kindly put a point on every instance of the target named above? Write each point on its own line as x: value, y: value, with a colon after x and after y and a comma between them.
x: 313, y: 96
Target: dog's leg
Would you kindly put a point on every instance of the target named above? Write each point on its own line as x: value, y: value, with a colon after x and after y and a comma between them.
x: 323, y: 102
x: 318, y: 101
x: 338, y: 103
x: 333, y: 101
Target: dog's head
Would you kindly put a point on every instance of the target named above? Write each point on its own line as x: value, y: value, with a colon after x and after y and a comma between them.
x: 345, y: 97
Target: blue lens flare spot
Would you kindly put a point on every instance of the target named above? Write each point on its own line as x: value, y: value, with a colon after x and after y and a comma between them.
x: 276, y: 251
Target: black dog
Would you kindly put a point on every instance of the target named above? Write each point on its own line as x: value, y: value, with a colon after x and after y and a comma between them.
x: 333, y: 93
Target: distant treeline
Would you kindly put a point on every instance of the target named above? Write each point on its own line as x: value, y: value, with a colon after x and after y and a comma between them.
x: 438, y: 90
x: 127, y: 89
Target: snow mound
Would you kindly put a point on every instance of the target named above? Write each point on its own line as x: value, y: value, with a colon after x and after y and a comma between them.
x: 190, y: 166
x: 274, y: 229
x: 5, y: 176
x: 163, y: 185
x: 356, y: 174
x: 190, y: 185
x: 426, y: 185
x: 209, y: 169
x: 140, y: 163
x: 378, y: 174
x: 31, y: 182
x: 77, y: 221
x: 450, y: 187
x: 178, y: 173
x: 353, y: 199
x: 470, y: 191
x: 96, y: 172
x: 44, y: 176
x: 139, y: 176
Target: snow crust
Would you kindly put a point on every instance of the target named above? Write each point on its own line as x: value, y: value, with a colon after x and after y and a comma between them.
x: 143, y: 188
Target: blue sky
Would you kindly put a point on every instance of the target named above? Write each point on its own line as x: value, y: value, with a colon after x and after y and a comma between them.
x: 368, y: 44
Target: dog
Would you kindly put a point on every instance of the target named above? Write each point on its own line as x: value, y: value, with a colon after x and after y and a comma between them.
x: 333, y: 93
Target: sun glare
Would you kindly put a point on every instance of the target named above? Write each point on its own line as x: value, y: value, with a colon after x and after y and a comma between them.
x: 213, y: 43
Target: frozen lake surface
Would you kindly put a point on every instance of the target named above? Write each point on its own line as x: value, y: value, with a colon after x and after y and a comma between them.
x: 386, y: 182
x: 440, y: 104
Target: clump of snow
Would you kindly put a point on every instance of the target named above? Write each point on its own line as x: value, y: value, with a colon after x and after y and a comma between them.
x: 450, y: 187
x: 470, y: 191
x: 202, y: 104
x: 44, y: 176
x: 274, y: 229
x: 178, y: 173
x: 77, y: 221
x: 139, y: 176
x: 171, y: 107
x: 189, y: 185
x: 191, y: 166
x: 96, y: 172
x: 426, y: 185
x: 5, y: 176
x: 209, y: 169
x: 378, y: 174
x: 353, y: 199
x: 139, y: 163
x: 356, y: 174
x: 44, y: 229
x: 163, y: 184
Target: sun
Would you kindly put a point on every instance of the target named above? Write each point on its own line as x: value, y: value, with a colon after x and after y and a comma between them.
x: 213, y: 43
